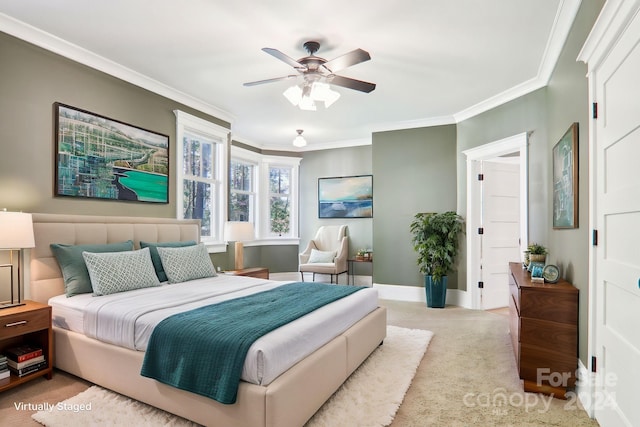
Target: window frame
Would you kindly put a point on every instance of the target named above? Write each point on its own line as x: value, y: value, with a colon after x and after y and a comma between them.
x: 189, y: 124
x: 262, y: 224
x: 254, y: 205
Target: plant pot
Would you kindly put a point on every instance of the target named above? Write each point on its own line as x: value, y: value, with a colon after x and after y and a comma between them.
x: 436, y: 291
x: 537, y: 258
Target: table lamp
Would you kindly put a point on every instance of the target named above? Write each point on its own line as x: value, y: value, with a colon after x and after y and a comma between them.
x: 16, y: 233
x: 238, y: 231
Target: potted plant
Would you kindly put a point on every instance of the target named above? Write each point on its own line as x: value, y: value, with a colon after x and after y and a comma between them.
x: 537, y: 252
x: 436, y: 240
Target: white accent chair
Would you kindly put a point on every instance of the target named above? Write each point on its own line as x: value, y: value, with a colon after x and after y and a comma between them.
x: 333, y: 245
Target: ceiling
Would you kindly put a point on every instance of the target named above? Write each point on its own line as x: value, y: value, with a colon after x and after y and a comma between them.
x: 434, y: 61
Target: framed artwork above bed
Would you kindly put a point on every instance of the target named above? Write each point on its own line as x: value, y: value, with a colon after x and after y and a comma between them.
x: 102, y: 158
x: 345, y: 197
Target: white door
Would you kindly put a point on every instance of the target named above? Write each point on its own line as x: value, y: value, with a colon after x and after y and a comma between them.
x: 501, y: 228
x: 617, y: 219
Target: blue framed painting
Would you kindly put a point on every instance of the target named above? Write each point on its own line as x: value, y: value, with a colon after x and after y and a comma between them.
x: 102, y: 158
x: 345, y: 197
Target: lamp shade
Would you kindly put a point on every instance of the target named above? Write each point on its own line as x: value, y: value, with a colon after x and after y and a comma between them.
x: 16, y: 230
x: 238, y: 231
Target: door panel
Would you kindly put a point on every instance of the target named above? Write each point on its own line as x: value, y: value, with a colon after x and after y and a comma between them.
x: 617, y: 207
x: 501, y: 223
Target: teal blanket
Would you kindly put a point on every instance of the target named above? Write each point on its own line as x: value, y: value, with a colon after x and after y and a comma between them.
x: 203, y: 350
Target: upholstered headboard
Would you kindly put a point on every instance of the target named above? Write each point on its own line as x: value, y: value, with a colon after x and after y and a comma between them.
x: 45, y: 275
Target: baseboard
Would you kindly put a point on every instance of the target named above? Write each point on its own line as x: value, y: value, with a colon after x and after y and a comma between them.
x: 585, y: 388
x: 417, y: 294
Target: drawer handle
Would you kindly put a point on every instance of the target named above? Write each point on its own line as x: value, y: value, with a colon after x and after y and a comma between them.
x: 9, y: 325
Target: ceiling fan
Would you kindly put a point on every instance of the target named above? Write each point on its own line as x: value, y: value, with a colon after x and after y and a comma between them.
x: 318, y: 74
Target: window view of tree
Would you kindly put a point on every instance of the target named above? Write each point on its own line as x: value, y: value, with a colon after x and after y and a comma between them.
x: 279, y: 197
x: 242, y: 194
x: 198, y: 184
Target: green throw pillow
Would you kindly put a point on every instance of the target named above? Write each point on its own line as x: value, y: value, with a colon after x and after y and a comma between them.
x: 74, y: 269
x: 155, y: 257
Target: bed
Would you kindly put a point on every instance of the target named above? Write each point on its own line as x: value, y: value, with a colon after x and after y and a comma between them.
x: 288, y: 400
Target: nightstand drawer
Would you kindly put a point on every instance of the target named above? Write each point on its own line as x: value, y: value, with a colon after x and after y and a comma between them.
x: 23, y: 323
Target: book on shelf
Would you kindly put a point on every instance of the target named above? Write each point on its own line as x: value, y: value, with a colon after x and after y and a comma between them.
x: 3, y: 366
x: 29, y: 369
x: 26, y: 363
x: 4, y: 374
x: 23, y: 352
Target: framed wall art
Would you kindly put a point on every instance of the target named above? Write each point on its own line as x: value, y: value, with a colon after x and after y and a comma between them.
x: 565, y: 180
x: 345, y: 197
x: 102, y: 158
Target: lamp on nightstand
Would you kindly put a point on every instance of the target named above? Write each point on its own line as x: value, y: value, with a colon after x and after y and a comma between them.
x: 238, y: 231
x: 16, y: 233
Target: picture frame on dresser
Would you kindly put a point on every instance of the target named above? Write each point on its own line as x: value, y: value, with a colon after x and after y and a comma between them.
x: 565, y: 180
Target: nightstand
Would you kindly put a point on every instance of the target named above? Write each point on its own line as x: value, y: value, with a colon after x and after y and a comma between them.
x: 259, y: 272
x: 30, y: 323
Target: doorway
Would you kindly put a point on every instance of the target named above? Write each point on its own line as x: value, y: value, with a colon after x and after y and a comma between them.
x: 497, y: 217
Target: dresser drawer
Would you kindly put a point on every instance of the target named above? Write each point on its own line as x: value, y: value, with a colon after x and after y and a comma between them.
x: 14, y: 325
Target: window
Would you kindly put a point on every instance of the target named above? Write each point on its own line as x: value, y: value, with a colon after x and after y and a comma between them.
x: 201, y: 174
x: 264, y: 190
x: 280, y: 200
x: 242, y: 193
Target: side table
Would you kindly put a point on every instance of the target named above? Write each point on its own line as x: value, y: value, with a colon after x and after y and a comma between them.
x: 259, y: 272
x: 350, y: 268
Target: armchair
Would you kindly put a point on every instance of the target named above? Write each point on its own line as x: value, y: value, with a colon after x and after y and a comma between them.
x: 326, y: 253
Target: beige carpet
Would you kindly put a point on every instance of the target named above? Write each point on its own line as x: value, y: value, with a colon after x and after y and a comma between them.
x: 469, y: 355
x: 371, y: 395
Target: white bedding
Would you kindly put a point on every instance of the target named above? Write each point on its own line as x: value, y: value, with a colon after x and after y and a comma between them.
x: 127, y: 319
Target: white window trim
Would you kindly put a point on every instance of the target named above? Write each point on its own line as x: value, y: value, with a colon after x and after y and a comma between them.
x: 245, y: 156
x: 264, y: 162
x: 186, y: 122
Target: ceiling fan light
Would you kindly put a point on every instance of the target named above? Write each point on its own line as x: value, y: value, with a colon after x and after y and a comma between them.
x: 299, y: 140
x: 332, y: 96
x: 293, y: 94
x: 307, y: 103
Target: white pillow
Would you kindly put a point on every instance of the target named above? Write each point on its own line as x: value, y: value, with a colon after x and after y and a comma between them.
x: 112, y: 272
x: 186, y: 263
x: 321, y: 256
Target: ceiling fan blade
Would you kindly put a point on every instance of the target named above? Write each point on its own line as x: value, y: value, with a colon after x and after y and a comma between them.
x: 348, y: 59
x: 277, y: 79
x: 282, y: 57
x: 352, y: 83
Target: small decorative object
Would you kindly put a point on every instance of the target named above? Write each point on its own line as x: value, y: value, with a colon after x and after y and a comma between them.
x: 537, y: 253
x: 360, y: 255
x: 551, y: 273
x: 526, y: 261
x: 565, y: 180
x: 537, y: 265
x: 368, y: 255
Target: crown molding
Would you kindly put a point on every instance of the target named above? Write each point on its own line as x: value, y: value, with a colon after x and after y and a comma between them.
x: 83, y: 56
x: 562, y: 24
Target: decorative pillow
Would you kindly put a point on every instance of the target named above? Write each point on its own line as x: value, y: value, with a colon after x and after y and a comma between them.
x: 113, y: 272
x: 321, y: 256
x: 186, y: 263
x: 74, y: 269
x: 155, y: 257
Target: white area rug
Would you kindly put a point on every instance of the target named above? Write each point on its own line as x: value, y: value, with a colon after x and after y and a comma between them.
x: 370, y: 397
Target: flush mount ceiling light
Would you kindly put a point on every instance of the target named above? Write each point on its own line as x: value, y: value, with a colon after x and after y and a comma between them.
x: 318, y: 76
x: 299, y: 141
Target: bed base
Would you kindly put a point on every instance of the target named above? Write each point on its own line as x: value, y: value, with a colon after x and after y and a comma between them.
x: 290, y: 400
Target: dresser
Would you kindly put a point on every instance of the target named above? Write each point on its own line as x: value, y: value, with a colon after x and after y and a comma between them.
x: 543, y: 322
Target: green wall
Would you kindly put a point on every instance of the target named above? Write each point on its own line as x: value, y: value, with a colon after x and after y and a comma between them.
x: 333, y: 163
x: 414, y: 171
x: 32, y: 79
